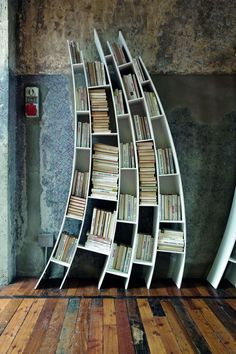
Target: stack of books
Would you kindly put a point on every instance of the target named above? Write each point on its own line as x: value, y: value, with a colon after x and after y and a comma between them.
x: 139, y: 69
x: 165, y: 161
x: 65, y: 248
x: 99, y: 111
x: 102, y: 229
x: 83, y: 134
x: 105, y: 172
x: 96, y: 73
x: 118, y: 54
x: 127, y: 155
x: 80, y: 184
x: 170, y: 240
x: 170, y: 207
x: 120, y: 258
x: 144, y: 248
x: 127, y: 207
x: 118, y: 98
x: 81, y: 99
x: 76, y: 207
x: 131, y: 86
x: 141, y: 127
x: 75, y: 53
x: 152, y: 104
x: 147, y: 173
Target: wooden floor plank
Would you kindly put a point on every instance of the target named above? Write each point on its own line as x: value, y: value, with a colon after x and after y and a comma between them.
x: 225, y: 337
x: 68, y: 327
x: 95, y: 340
x: 51, y: 338
x: 80, y: 337
x: 41, y: 327
x: 153, y: 336
x: 8, y: 312
x: 182, y: 336
x: 231, y: 303
x: 125, y: 342
x: 3, y: 304
x: 110, y: 340
x: 19, y: 343
x: 205, y: 328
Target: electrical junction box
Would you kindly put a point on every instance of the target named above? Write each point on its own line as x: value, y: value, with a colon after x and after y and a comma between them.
x: 31, y: 102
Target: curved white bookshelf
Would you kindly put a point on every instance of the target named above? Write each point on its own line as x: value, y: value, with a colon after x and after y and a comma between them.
x: 225, y: 260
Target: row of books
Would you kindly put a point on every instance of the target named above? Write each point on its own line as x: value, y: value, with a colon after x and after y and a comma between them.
x: 139, y: 69
x: 65, y: 248
x: 118, y: 54
x: 81, y: 99
x: 96, y: 73
x: 165, y: 161
x: 105, y: 172
x: 144, y: 249
x: 83, y: 134
x: 152, y: 104
x: 120, y: 258
x: 99, y: 107
x: 102, y: 229
x: 127, y: 207
x: 76, y: 207
x: 141, y: 127
x: 170, y: 240
x: 119, y: 102
x: 80, y: 184
x: 147, y: 173
x: 127, y: 155
x: 131, y: 86
x: 170, y: 207
x: 75, y: 52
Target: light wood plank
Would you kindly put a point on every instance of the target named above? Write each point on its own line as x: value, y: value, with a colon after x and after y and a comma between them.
x: 167, y: 336
x: 8, y: 312
x: 95, y: 340
x: 110, y: 340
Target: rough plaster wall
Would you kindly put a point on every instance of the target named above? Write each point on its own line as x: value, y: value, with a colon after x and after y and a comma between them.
x: 175, y: 36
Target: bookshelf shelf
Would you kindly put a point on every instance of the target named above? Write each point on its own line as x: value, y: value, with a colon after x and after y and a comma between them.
x: 135, y: 100
x: 172, y: 221
x: 233, y: 260
x: 77, y: 66
x: 145, y: 263
x: 159, y: 116
x: 166, y: 251
x: 83, y: 113
x: 123, y: 116
x: 64, y: 264
x: 117, y: 272
x: 125, y: 66
x: 126, y: 221
x: 98, y: 87
x: 71, y: 216
x: 95, y: 250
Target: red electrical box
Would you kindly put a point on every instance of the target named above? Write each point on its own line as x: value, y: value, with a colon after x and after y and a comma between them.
x: 32, y: 102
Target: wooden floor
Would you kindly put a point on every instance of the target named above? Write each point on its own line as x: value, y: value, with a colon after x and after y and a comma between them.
x: 81, y: 319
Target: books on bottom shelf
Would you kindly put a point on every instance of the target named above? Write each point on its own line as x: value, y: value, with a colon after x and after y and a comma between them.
x: 127, y: 207
x: 152, y: 104
x: 83, y: 134
x: 76, y: 207
x: 141, y: 127
x: 102, y: 229
x: 80, y: 184
x: 65, y: 248
x: 170, y: 207
x: 131, y: 86
x: 144, y: 247
x: 96, y: 73
x: 127, y: 155
x: 147, y: 173
x: 119, y: 103
x: 120, y: 258
x: 81, y: 99
x: 165, y: 161
x: 170, y: 240
x: 105, y: 171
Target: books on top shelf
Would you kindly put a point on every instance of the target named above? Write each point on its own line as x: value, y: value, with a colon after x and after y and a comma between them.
x: 105, y: 171
x: 99, y: 111
x: 65, y: 248
x: 80, y: 184
x: 144, y: 247
x: 75, y: 52
x: 76, y: 207
x: 139, y: 69
x: 131, y: 86
x: 152, y: 104
x: 81, y: 99
x: 165, y: 161
x: 170, y: 240
x: 102, y: 229
x: 96, y: 73
x: 83, y: 135
x: 120, y: 258
x: 127, y: 155
x: 170, y: 207
x: 141, y: 127
x: 119, y: 103
x: 118, y: 54
x: 147, y: 173
x: 127, y: 207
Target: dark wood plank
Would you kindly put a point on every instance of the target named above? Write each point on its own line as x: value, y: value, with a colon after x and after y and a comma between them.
x: 125, y: 342
x: 95, y: 340
x: 232, y: 303
x: 8, y: 312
